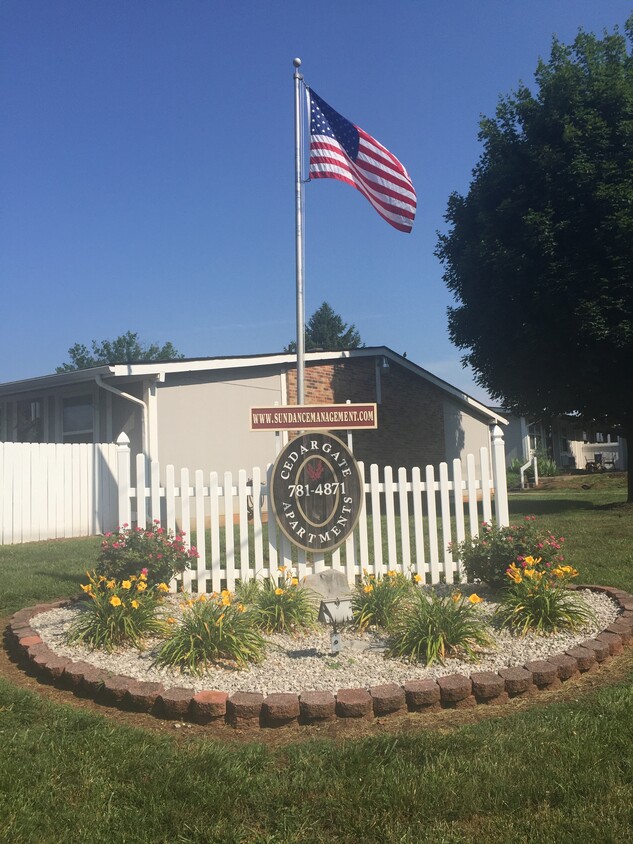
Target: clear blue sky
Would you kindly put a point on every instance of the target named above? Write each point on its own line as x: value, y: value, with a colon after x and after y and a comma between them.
x: 147, y: 173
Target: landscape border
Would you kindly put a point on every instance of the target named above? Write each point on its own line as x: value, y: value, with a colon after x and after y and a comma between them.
x: 254, y: 710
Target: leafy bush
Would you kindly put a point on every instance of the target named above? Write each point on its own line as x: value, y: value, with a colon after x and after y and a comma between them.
x: 376, y: 599
x: 212, y: 628
x: 546, y: 467
x: 487, y: 556
x: 429, y: 627
x: 286, y: 606
x: 157, y: 552
x: 117, y: 613
x: 536, y: 600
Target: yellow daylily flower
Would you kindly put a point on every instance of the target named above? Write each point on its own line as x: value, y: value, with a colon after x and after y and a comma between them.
x: 141, y: 587
x: 135, y: 604
x: 115, y: 601
x: 87, y: 587
x: 514, y: 573
x: 368, y: 588
x: 279, y: 591
x: 111, y: 584
x: 295, y: 581
x: 475, y: 599
x: 163, y: 587
x: 126, y: 584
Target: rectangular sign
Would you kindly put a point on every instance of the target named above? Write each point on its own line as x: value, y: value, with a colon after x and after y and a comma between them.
x: 329, y: 417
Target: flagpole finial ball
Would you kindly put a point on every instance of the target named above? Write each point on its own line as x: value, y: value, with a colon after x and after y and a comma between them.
x: 296, y: 62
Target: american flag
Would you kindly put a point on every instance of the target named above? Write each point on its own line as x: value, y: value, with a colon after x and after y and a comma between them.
x: 340, y: 150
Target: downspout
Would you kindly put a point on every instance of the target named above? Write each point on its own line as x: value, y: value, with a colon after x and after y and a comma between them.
x: 101, y: 383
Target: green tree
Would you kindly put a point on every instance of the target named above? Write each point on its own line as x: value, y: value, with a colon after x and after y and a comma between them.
x: 125, y: 349
x: 539, y: 254
x: 326, y: 330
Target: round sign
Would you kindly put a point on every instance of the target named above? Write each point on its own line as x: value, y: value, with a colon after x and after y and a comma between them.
x: 316, y: 491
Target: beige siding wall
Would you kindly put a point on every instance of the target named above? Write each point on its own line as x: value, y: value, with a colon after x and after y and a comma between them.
x: 206, y: 425
x: 463, y: 433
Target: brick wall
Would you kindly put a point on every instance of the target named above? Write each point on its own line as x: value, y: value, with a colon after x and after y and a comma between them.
x: 410, y: 417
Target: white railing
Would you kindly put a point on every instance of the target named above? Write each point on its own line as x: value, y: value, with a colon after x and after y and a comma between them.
x: 408, y: 521
x: 51, y: 491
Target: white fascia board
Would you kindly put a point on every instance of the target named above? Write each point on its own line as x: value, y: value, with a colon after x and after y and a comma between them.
x: 48, y: 382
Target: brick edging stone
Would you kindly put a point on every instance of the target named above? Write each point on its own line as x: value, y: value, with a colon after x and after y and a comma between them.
x: 253, y: 709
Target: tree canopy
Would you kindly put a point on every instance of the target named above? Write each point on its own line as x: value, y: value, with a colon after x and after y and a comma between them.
x: 127, y: 348
x: 539, y: 254
x: 326, y: 330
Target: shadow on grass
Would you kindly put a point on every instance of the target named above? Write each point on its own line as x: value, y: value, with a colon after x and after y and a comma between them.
x: 539, y: 507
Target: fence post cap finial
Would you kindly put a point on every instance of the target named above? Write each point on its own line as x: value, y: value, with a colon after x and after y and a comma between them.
x: 123, y: 439
x: 497, y: 432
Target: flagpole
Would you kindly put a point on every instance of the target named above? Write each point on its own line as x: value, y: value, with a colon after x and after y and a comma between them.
x: 299, y: 237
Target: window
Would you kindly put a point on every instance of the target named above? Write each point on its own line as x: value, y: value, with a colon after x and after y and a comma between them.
x: 29, y: 428
x: 77, y: 419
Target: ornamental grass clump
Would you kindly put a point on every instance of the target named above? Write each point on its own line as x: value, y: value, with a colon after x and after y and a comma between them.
x: 285, y: 606
x: 118, y: 613
x: 486, y: 557
x: 160, y: 553
x: 429, y: 628
x: 536, y: 600
x: 214, y: 628
x: 375, y: 600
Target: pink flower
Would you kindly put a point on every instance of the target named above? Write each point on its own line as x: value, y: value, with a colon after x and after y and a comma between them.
x: 144, y: 571
x: 125, y: 525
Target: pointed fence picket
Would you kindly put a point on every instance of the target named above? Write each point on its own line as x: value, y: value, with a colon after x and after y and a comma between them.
x: 407, y: 524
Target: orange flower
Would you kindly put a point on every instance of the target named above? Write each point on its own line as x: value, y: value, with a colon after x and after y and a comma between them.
x: 475, y: 599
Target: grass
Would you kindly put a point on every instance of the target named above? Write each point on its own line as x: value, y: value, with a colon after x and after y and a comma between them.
x: 559, y: 773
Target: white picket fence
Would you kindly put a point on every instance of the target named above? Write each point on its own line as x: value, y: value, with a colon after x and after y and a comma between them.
x: 407, y: 523
x: 51, y: 491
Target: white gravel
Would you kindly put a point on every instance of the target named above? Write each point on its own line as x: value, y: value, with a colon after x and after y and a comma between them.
x: 304, y: 662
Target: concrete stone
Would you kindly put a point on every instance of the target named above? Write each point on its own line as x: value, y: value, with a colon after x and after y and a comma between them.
x: 585, y: 658
x: 208, y: 706
x: 387, y: 699
x: 327, y: 585
x: 487, y: 685
x: 316, y: 706
x: 422, y: 694
x: 243, y: 709
x: 518, y: 681
x: 141, y: 696
x: 545, y: 675
x: 454, y: 687
x: 601, y: 649
x: 73, y: 674
x: 174, y: 703
x: 279, y: 710
x: 114, y: 689
x: 613, y: 640
x: 622, y: 630
x: 353, y: 703
x: 566, y: 666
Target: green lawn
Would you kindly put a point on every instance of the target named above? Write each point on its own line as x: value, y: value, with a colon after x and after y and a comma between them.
x: 561, y: 772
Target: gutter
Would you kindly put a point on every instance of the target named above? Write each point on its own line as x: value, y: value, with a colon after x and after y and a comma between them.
x: 101, y: 383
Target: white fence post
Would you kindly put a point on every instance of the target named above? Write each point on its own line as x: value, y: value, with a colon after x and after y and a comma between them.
x: 499, y: 480
x: 123, y: 478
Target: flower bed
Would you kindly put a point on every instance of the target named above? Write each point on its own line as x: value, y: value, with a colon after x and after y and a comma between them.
x: 248, y: 707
